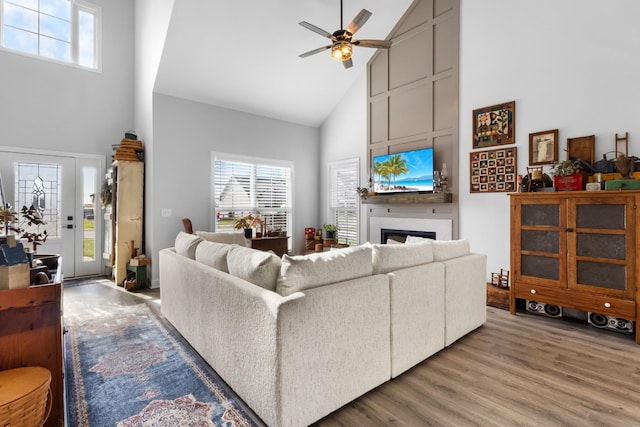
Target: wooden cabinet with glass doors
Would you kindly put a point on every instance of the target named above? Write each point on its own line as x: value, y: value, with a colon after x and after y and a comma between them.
x: 576, y: 250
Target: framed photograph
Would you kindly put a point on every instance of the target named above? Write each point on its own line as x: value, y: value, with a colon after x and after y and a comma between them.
x: 543, y: 147
x: 494, y: 125
x: 493, y: 170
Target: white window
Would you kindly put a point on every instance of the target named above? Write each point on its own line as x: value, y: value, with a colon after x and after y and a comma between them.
x: 344, y: 200
x: 246, y: 185
x: 62, y: 30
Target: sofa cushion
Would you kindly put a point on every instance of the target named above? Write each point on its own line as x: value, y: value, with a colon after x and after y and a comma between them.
x: 220, y: 237
x: 213, y: 254
x: 302, y: 272
x: 186, y: 244
x: 387, y: 258
x: 448, y: 249
x: 258, y: 267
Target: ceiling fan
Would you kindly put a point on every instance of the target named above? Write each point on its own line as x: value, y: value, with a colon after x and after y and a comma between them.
x: 342, y: 45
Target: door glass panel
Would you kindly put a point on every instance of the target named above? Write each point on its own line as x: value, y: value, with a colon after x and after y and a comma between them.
x: 88, y: 217
x: 609, y: 246
x: 602, y: 275
x: 610, y: 217
x: 540, y: 215
x: 540, y: 241
x: 38, y: 184
x: 541, y: 267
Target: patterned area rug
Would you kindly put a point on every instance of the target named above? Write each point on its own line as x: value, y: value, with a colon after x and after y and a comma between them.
x: 126, y: 367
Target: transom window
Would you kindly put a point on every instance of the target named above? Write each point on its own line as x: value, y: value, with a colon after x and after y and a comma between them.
x: 63, y: 30
x: 245, y: 185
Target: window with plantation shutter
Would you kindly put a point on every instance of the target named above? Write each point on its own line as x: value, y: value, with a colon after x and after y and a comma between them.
x: 344, y: 201
x: 245, y: 185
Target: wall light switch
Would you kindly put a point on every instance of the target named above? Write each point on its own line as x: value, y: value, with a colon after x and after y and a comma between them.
x: 166, y: 212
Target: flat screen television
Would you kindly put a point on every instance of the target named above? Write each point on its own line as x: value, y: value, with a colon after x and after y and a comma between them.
x: 408, y: 171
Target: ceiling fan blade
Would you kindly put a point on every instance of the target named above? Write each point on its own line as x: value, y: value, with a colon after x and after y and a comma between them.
x: 316, y: 29
x: 358, y: 21
x: 314, y: 51
x: 378, y: 44
x: 348, y: 63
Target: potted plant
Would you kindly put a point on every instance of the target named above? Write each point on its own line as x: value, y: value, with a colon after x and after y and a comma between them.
x: 566, y: 175
x: 329, y: 231
x: 32, y: 217
x: 247, y: 223
x: 7, y: 218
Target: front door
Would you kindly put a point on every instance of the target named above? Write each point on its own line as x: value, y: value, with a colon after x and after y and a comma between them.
x: 65, y: 188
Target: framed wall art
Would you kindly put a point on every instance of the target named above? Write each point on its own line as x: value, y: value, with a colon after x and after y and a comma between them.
x: 493, y: 170
x: 543, y: 147
x: 494, y: 125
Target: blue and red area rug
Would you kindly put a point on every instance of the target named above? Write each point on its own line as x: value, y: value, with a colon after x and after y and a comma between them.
x: 126, y: 367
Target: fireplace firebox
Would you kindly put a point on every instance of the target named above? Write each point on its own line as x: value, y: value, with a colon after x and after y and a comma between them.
x: 401, y: 235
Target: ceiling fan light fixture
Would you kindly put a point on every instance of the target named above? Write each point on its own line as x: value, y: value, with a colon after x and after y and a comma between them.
x: 341, y: 51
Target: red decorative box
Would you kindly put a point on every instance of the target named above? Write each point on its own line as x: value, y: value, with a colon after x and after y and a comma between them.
x: 568, y: 183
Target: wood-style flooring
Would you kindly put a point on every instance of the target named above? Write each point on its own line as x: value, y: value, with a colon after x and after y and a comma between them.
x: 522, y: 370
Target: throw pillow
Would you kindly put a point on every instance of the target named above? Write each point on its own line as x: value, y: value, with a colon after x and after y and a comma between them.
x: 302, y: 272
x: 213, y: 254
x: 220, y: 237
x: 186, y: 244
x: 387, y: 258
x: 448, y: 249
x: 416, y: 239
x: 257, y: 267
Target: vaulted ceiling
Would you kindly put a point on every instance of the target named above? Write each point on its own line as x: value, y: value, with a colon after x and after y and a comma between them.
x: 243, y: 54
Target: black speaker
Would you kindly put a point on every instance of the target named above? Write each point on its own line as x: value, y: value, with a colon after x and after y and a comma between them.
x: 549, y: 310
x: 616, y: 324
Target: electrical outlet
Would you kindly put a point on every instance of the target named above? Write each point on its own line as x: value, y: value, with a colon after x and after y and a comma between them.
x: 166, y: 212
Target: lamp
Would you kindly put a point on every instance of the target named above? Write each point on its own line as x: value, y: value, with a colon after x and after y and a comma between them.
x: 341, y: 51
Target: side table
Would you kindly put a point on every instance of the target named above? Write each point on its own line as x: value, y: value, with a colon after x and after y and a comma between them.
x: 279, y: 245
x: 140, y: 276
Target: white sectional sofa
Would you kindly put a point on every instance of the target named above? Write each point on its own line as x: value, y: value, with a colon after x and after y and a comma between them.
x: 298, y: 337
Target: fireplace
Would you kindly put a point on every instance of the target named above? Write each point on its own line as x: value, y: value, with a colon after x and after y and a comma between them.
x: 401, y: 235
x: 441, y: 228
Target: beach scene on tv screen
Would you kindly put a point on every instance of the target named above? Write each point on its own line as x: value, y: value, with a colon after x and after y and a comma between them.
x: 407, y: 171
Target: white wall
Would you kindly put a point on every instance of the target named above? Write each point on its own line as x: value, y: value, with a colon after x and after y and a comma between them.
x: 50, y: 106
x: 152, y: 21
x: 344, y: 136
x: 185, y: 133
x: 573, y: 65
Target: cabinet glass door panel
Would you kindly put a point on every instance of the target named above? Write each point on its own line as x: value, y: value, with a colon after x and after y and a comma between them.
x: 540, y: 241
x: 608, y: 217
x: 609, y: 246
x: 602, y: 275
x: 540, y: 215
x: 540, y: 267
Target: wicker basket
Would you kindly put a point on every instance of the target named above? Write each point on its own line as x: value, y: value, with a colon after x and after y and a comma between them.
x: 25, y: 397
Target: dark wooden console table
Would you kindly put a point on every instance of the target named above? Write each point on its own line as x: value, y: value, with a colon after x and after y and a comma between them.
x: 279, y: 245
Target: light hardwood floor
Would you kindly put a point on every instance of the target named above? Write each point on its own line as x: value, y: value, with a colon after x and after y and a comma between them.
x: 523, y: 370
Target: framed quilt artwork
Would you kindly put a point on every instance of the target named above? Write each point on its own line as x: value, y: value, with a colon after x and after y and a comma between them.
x: 494, y: 125
x: 493, y: 170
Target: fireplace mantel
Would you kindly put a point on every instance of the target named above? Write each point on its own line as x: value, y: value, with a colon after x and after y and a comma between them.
x: 409, y: 198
